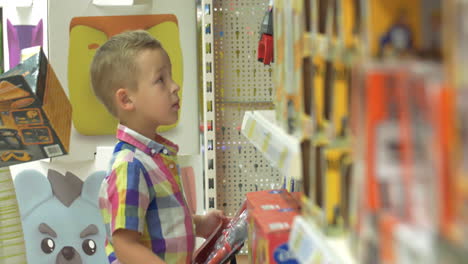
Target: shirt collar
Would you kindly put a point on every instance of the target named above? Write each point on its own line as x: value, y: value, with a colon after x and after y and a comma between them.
x: 150, y: 146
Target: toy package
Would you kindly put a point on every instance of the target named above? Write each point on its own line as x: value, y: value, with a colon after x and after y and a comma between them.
x: 319, y: 138
x: 330, y: 144
x: 461, y: 169
x: 274, y: 201
x: 35, y: 116
x: 230, y: 241
x: 402, y: 29
x: 405, y: 119
x: 394, y: 27
x: 225, y: 241
x: 288, y: 19
x: 270, y: 236
x: 271, y: 200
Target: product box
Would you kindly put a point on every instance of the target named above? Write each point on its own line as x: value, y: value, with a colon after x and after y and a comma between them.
x: 268, y: 201
x: 271, y: 200
x: 288, y: 18
x: 394, y: 27
x: 270, y: 235
x: 461, y: 168
x: 35, y: 113
x: 336, y: 188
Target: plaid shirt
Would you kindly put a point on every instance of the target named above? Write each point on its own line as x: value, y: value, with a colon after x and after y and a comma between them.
x: 143, y: 192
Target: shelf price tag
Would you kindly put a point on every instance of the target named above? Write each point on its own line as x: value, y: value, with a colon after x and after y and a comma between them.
x: 251, y: 127
x: 282, y: 158
x: 266, y: 142
x: 308, y: 245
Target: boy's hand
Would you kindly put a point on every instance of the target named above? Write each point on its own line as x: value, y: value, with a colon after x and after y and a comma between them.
x: 206, y: 224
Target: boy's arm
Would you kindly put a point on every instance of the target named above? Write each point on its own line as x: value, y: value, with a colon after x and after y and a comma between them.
x: 129, y: 250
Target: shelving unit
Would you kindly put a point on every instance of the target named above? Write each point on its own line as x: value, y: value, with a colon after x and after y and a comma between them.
x: 283, y: 151
x: 287, y: 137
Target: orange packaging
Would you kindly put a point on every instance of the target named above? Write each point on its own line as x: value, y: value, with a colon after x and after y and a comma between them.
x: 270, y: 236
x: 277, y: 201
x: 271, y: 200
x: 387, y: 225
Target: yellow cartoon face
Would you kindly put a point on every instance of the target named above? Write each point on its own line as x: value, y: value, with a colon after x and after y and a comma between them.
x: 87, y: 34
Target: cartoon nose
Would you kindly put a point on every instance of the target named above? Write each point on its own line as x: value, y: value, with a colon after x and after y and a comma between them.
x: 68, y: 253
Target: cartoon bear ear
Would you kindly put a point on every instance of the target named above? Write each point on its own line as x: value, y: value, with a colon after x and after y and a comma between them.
x: 92, y: 186
x: 32, y: 189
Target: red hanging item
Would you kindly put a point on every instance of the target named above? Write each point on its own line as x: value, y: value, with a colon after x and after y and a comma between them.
x: 265, y: 45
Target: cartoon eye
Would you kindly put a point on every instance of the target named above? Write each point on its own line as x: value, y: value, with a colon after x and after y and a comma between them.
x: 93, y: 46
x: 89, y: 247
x: 47, y: 245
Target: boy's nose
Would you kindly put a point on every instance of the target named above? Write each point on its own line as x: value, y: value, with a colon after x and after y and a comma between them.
x: 175, y: 87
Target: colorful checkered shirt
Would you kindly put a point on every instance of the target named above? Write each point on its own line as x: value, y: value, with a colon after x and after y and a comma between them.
x: 142, y: 192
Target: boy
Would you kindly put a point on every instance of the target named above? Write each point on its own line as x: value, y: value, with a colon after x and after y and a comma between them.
x: 142, y: 200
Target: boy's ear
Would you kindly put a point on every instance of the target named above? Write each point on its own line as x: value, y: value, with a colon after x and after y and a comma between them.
x: 122, y: 97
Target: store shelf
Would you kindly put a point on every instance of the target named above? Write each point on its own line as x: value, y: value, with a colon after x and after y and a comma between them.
x: 310, y: 245
x: 281, y: 149
x: 17, y: 3
x: 119, y: 2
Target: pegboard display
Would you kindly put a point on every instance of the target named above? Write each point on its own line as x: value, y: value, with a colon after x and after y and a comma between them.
x: 240, y: 167
x: 241, y: 84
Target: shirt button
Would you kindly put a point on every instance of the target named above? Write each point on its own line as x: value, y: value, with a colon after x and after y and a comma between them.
x: 153, y: 151
x: 165, y: 151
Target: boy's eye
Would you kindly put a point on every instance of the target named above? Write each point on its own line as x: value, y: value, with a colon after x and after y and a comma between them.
x: 159, y: 80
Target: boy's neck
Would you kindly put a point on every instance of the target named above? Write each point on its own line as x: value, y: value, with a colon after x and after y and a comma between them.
x: 147, y: 131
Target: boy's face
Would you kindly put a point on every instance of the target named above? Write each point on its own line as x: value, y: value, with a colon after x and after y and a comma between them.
x: 156, y: 100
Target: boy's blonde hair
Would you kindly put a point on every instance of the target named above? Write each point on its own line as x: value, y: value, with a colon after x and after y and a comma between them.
x: 114, y: 65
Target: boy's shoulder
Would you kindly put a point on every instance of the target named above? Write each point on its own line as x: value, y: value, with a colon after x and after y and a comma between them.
x: 125, y: 153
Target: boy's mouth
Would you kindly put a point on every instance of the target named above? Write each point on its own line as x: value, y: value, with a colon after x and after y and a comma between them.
x: 176, y: 106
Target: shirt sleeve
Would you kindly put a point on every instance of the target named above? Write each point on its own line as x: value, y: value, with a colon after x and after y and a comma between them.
x: 128, y: 196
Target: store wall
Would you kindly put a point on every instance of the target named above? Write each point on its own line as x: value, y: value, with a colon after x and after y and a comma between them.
x: 60, y: 14
x: 91, y: 153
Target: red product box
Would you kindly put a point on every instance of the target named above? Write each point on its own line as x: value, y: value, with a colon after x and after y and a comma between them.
x: 297, y: 197
x: 271, y: 200
x: 270, y: 235
x: 266, y: 201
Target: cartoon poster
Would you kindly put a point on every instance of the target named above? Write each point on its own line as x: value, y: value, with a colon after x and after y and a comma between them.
x: 86, y: 36
x: 61, y: 219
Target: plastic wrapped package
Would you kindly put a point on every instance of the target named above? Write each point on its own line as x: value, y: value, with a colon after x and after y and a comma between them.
x: 231, y: 240
x: 226, y: 240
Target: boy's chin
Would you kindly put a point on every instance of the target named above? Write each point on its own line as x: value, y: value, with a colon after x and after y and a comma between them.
x: 170, y: 122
